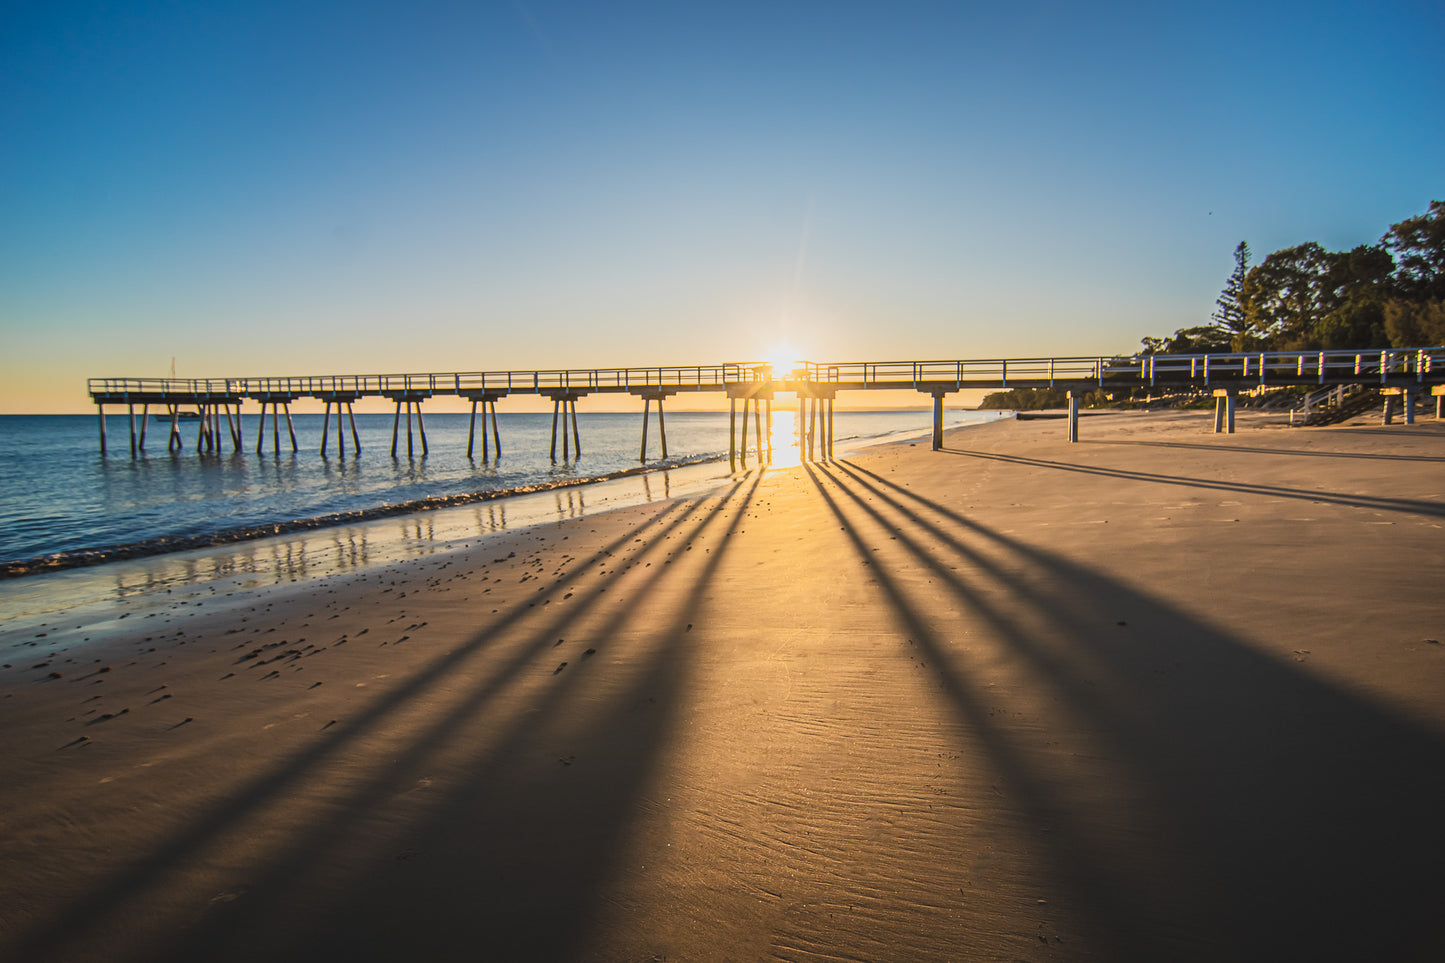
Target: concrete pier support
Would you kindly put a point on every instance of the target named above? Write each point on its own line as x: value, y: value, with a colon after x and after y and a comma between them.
x: 565, y: 405
x: 758, y: 425
x: 830, y: 427
x: 278, y: 403
x: 1407, y: 405
x: 233, y: 426
x: 732, y: 434
x: 342, y: 402
x: 648, y: 397
x: 801, y: 427
x: 488, y: 400
x: 1223, y: 411
x: 768, y: 420
x: 203, y: 428
x: 815, y: 421
x: 753, y: 395
x: 408, y: 401
x: 938, y: 395
x: 174, y: 442
x: 812, y: 428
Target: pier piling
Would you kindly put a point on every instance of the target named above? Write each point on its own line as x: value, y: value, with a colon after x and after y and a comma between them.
x: 743, y: 446
x: 1223, y: 411
x: 496, y: 434
x: 937, y: 421
x: 648, y: 397
x: 408, y: 400
x: 488, y: 401
x: 732, y: 434
x: 472, y: 430
x: 564, y: 405
x: 757, y: 422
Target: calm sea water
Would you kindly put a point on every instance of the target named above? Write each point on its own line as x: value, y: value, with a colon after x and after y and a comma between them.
x: 58, y: 494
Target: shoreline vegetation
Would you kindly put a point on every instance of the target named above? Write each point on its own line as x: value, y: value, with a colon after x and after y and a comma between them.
x: 1390, y: 294
x: 1014, y: 699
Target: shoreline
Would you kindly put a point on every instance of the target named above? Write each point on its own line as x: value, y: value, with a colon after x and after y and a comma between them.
x: 160, y: 545
x: 79, y: 558
x: 102, y: 590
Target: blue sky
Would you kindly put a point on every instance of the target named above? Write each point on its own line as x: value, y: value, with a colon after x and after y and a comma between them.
x: 287, y: 188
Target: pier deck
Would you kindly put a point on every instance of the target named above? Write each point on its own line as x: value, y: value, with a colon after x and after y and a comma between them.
x: 816, y: 385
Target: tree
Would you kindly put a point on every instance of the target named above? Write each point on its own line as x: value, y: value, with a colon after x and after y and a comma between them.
x: 1285, y: 294
x: 1415, y: 324
x: 1305, y: 297
x: 1308, y: 297
x: 1415, y: 315
x: 1229, y: 312
x: 1418, y: 244
x: 1200, y: 339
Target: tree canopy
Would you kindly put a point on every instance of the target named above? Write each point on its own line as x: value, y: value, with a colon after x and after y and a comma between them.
x: 1390, y: 294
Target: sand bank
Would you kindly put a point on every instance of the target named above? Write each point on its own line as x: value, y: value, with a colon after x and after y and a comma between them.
x: 1159, y: 695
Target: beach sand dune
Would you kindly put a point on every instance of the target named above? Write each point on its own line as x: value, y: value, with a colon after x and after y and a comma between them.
x: 1160, y: 695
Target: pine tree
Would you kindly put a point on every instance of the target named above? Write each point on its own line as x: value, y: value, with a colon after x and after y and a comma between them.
x: 1229, y: 313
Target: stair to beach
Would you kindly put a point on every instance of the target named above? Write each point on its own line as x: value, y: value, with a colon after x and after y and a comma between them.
x: 1330, y: 406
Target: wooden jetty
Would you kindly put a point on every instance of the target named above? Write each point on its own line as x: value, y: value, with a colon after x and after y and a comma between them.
x: 1400, y: 374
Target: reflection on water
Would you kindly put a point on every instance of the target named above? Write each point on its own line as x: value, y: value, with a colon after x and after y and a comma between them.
x: 572, y: 503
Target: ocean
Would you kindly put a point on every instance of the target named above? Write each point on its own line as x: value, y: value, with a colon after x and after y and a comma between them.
x: 62, y: 503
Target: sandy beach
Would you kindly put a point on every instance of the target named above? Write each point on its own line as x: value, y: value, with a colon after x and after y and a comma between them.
x: 1160, y: 695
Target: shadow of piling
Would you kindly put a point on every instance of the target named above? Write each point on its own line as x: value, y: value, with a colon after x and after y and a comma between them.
x: 1264, y: 813
x: 293, y: 906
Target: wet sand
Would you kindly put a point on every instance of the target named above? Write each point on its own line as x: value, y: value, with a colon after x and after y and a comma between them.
x: 1159, y: 695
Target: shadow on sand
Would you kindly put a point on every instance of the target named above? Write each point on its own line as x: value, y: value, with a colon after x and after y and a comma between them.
x: 506, y: 859
x: 1220, y: 805
x: 1406, y: 505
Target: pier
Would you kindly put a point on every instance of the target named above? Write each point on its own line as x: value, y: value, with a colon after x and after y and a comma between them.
x: 1404, y: 374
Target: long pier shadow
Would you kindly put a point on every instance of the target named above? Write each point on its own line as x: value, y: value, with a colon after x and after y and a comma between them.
x: 510, y: 862
x: 515, y: 902
x: 1296, y: 452
x: 1230, y: 808
x: 1405, y: 505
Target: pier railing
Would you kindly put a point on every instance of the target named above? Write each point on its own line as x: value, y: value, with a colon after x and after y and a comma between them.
x: 990, y: 371
x: 1264, y: 367
x: 1382, y: 366
x: 674, y: 378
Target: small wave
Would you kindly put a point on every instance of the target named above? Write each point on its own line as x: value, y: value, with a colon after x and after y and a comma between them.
x: 78, y: 558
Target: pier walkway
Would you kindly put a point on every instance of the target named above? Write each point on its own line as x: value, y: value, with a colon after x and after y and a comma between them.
x: 1402, y: 373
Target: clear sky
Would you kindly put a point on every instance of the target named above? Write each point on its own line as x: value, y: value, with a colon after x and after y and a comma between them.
x: 343, y: 187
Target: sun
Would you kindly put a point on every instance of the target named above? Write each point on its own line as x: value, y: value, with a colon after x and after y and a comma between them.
x: 784, y: 358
